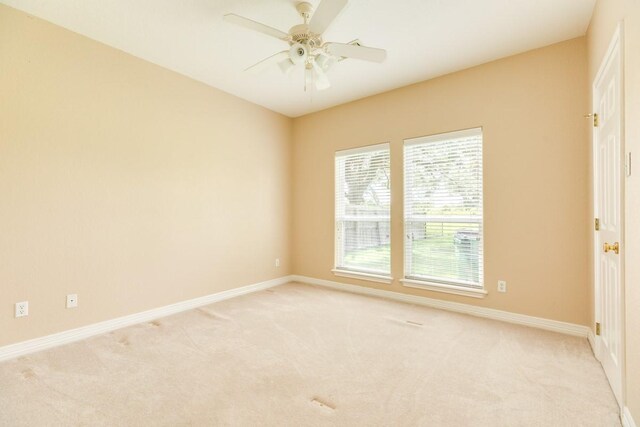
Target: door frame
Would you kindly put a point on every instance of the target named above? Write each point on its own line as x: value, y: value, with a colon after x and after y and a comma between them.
x: 616, y: 43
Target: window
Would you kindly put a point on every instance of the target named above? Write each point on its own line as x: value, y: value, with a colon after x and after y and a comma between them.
x: 363, y: 199
x: 443, y: 210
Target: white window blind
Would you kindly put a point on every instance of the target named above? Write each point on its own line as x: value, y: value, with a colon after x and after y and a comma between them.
x: 443, y: 208
x: 363, y: 200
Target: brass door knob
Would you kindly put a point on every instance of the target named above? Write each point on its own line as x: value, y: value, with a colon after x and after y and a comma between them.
x: 609, y: 247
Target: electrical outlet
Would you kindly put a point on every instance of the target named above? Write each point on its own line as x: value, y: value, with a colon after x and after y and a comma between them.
x: 277, y: 262
x: 22, y: 309
x: 72, y: 300
x: 502, y: 286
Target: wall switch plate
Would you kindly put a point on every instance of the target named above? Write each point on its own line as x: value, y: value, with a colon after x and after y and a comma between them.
x: 72, y: 300
x: 502, y: 286
x: 22, y: 309
x: 277, y: 262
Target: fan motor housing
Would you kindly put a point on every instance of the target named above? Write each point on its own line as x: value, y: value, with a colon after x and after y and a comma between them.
x: 301, y: 34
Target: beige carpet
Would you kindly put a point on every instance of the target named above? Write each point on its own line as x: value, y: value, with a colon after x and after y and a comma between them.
x: 298, y: 355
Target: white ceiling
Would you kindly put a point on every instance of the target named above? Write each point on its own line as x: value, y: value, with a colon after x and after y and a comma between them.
x: 423, y: 38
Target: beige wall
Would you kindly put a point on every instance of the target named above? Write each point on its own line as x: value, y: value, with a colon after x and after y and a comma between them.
x: 531, y: 107
x: 607, y: 15
x: 126, y: 183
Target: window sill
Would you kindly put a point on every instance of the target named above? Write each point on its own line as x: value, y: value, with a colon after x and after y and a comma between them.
x: 442, y: 287
x: 363, y: 276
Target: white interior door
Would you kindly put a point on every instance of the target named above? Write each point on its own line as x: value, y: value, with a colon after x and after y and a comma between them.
x: 608, y: 180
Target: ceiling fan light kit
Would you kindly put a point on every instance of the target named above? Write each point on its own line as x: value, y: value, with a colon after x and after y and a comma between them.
x: 298, y: 53
x: 286, y: 66
x: 306, y: 46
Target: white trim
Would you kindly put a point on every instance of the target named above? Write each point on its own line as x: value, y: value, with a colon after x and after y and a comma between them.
x: 366, y: 149
x: 20, y: 349
x: 592, y: 342
x: 363, y: 276
x: 489, y: 313
x: 627, y: 419
x: 458, y: 134
x: 444, y: 287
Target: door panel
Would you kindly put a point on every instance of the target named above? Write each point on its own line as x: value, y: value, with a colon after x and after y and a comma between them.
x: 608, y: 182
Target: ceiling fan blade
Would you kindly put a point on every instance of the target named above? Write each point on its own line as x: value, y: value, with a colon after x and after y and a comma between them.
x: 259, y: 66
x: 256, y: 26
x: 325, y: 14
x: 357, y: 52
x: 321, y: 80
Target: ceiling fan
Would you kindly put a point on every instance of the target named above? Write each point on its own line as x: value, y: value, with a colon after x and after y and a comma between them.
x: 306, y: 46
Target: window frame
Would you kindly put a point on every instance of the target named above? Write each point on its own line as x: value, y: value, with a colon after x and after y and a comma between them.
x: 439, y: 284
x: 361, y: 274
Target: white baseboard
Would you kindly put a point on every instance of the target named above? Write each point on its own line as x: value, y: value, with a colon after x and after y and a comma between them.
x: 592, y: 341
x: 627, y: 420
x: 54, y: 340
x: 65, y: 337
x: 505, y: 316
